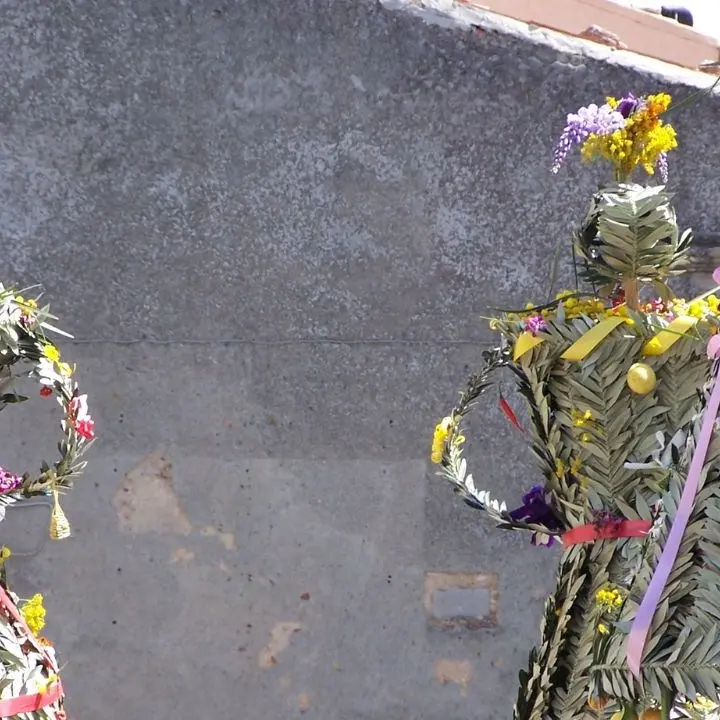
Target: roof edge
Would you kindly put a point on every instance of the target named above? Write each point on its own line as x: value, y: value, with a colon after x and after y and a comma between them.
x: 452, y: 14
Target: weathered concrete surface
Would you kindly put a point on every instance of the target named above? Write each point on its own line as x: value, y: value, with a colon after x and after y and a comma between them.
x: 301, y: 209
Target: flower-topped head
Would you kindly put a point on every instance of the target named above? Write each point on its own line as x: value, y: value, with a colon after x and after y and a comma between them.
x: 628, y: 133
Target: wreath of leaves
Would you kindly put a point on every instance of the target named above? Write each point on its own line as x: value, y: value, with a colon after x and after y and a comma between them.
x: 25, y: 351
x: 453, y: 466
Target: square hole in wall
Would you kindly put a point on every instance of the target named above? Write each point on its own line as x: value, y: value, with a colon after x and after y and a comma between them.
x: 461, y: 599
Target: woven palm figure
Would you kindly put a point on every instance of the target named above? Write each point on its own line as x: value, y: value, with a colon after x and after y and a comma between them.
x: 616, y: 380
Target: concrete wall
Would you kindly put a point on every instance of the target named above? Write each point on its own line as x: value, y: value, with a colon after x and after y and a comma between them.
x: 272, y: 228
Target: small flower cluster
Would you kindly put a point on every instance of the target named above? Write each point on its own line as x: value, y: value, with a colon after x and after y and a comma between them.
x: 628, y: 133
x: 582, y: 420
x: 702, y: 706
x: 592, y: 120
x: 27, y: 309
x: 577, y: 307
x: 572, y: 305
x: 33, y: 613
x: 561, y: 467
x: 80, y: 417
x: 9, y: 481
x: 535, y: 320
x: 77, y: 411
x: 440, y: 436
x: 534, y: 324
x: 608, y: 600
x: 701, y: 308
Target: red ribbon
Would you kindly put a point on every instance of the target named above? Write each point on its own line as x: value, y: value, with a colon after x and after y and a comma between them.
x: 606, y: 531
x: 28, y: 703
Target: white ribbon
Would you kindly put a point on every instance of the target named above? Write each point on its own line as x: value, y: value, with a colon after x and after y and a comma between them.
x: 661, y: 458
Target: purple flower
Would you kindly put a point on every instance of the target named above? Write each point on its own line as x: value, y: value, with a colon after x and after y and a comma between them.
x: 535, y: 323
x: 628, y: 105
x: 590, y: 120
x: 662, y: 166
x: 535, y: 509
x: 8, y: 481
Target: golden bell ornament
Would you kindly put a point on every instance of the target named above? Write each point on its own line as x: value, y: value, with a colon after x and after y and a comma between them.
x: 641, y: 378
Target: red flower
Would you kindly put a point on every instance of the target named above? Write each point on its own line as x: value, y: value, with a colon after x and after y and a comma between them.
x: 80, y: 417
x: 85, y: 428
x: 46, y: 391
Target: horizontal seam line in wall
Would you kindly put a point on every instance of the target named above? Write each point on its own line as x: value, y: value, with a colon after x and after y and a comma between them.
x: 271, y: 342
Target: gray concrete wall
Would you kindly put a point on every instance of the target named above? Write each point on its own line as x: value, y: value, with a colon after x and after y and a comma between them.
x: 272, y: 228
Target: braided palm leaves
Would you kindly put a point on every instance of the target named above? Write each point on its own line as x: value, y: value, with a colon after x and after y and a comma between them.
x: 630, y: 233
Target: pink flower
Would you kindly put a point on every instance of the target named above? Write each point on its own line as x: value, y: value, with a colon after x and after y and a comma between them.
x: 535, y: 323
x: 80, y: 417
x: 9, y: 481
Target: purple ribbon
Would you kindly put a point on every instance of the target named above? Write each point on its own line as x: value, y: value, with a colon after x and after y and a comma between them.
x: 646, y: 611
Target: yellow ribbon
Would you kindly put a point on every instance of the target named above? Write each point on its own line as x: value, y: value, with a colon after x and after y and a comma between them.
x: 588, y: 341
x: 666, y: 338
x: 525, y: 343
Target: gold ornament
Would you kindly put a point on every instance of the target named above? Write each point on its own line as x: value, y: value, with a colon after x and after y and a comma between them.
x: 641, y: 378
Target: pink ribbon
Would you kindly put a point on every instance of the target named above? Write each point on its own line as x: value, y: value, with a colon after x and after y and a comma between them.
x: 646, y: 611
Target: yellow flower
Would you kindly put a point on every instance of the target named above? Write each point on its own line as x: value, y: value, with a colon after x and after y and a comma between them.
x: 580, y: 419
x: 442, y: 430
x: 639, y: 142
x: 658, y: 104
x: 697, y: 308
x: 575, y: 466
x: 559, y: 467
x: 66, y: 369
x: 4, y: 554
x: 713, y: 303
x: 585, y: 437
x: 20, y: 300
x: 609, y: 598
x: 51, y: 353
x: 703, y: 704
x: 33, y: 613
x: 603, y: 629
